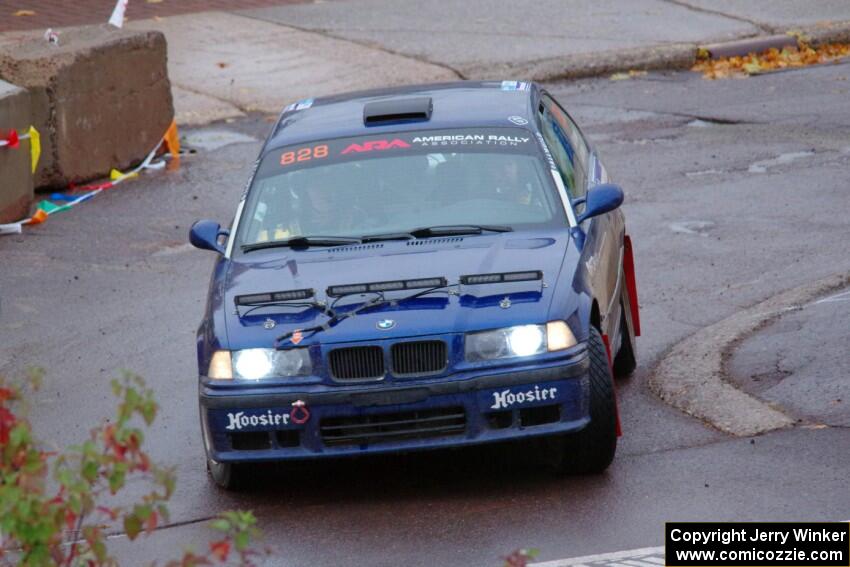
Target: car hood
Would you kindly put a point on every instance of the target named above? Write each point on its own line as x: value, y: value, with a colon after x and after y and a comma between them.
x: 477, y: 307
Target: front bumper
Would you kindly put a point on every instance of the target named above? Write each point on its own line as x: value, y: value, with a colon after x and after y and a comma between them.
x: 544, y: 399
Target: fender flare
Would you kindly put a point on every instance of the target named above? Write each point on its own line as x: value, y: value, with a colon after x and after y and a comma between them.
x: 631, y: 282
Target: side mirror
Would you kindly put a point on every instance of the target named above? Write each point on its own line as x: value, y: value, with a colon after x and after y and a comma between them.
x: 600, y: 200
x: 204, y: 234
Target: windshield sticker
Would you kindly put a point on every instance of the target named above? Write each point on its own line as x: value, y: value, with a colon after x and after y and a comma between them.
x: 304, y: 154
x: 373, y: 145
x: 304, y: 104
x: 250, y: 181
x: 515, y: 86
x: 546, y: 152
x: 299, y: 105
x: 503, y: 139
x: 470, y: 139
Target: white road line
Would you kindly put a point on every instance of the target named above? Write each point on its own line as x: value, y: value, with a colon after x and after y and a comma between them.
x: 645, y: 562
x: 607, y: 558
x: 843, y: 296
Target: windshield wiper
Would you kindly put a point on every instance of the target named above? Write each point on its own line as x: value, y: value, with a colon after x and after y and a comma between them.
x: 302, y: 242
x: 387, y: 236
x: 335, y: 318
x: 458, y: 229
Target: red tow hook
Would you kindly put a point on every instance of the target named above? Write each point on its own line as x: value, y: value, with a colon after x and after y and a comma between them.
x: 300, y: 414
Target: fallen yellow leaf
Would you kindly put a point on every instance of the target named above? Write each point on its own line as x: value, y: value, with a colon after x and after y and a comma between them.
x: 770, y: 60
x: 24, y: 13
x: 630, y: 75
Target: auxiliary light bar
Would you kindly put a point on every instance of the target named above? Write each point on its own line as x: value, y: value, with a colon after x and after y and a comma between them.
x: 271, y: 297
x: 398, y: 285
x: 505, y: 277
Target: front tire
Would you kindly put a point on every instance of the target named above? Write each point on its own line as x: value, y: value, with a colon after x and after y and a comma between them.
x: 592, y: 449
x: 228, y: 476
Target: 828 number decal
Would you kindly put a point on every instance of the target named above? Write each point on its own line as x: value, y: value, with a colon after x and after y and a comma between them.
x: 304, y: 154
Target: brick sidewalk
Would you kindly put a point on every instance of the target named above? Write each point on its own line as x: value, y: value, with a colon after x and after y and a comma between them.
x: 60, y: 13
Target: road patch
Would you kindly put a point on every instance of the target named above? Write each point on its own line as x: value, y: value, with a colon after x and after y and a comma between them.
x: 692, y: 375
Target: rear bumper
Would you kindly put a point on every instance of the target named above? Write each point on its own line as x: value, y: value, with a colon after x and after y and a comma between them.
x: 544, y: 400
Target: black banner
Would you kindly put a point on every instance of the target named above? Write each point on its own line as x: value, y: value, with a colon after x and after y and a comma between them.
x: 757, y: 544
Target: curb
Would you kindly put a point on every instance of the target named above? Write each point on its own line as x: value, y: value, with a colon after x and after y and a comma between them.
x: 691, y: 376
x: 749, y: 45
x: 671, y: 56
x: 652, y: 58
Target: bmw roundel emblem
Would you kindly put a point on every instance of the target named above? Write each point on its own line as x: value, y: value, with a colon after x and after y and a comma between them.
x: 385, y: 324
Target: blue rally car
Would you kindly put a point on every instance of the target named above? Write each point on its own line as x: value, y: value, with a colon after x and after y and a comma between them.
x: 416, y: 268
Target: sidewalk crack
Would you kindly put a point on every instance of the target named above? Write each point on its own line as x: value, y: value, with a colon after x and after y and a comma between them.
x: 234, y: 104
x: 362, y: 43
x: 120, y: 533
x: 761, y: 26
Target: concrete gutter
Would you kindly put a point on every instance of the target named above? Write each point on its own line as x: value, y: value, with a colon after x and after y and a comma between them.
x: 657, y: 57
x: 691, y: 377
x: 674, y: 56
x: 828, y: 32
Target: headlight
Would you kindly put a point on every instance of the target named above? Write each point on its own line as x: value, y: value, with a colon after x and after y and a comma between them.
x: 523, y: 340
x: 257, y: 363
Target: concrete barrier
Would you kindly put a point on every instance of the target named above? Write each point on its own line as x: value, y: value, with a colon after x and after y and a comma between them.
x: 101, y: 98
x: 15, y: 166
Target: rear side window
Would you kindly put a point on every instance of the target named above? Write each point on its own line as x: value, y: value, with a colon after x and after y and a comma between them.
x: 567, y: 146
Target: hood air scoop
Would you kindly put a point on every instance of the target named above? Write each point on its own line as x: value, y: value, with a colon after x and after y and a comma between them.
x: 397, y: 111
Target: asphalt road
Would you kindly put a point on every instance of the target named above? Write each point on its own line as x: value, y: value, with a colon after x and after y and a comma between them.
x: 809, y: 380
x: 736, y: 190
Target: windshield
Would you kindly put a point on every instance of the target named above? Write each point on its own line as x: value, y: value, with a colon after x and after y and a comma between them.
x: 357, y: 187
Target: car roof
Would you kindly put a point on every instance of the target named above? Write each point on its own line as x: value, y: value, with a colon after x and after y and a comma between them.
x: 458, y: 104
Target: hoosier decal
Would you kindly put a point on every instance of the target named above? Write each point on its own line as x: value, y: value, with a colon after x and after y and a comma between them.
x: 239, y: 420
x: 506, y: 398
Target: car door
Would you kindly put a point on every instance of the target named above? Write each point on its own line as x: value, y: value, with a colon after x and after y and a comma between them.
x: 581, y: 170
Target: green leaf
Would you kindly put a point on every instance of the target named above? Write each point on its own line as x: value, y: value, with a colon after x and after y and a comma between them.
x: 132, y: 525
x: 148, y: 410
x: 241, y: 540
x: 90, y: 470
x: 143, y: 511
x: 116, y: 479
x: 220, y: 524
x: 19, y: 435
x: 99, y: 550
